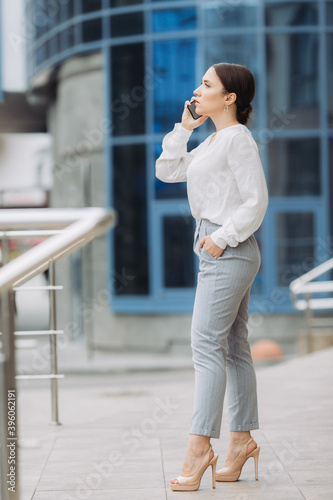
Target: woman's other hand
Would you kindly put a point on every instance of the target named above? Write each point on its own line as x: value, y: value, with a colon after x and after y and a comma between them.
x: 210, y: 247
x: 188, y: 121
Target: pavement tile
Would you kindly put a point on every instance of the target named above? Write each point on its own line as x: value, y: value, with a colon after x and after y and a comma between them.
x: 88, y: 467
x: 96, y: 481
x: 316, y: 492
x: 27, y: 485
x: 135, y: 494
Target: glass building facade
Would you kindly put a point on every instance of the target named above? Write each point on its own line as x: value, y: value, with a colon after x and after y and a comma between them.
x: 155, y: 53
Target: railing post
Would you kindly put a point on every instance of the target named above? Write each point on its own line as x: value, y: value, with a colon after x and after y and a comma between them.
x: 5, y: 250
x: 87, y: 257
x: 9, y: 463
x: 308, y: 318
x: 53, y: 346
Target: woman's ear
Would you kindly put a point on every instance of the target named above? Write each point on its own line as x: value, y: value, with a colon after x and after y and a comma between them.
x: 231, y: 98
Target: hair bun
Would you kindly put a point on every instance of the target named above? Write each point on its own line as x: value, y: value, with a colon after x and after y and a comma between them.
x: 243, y: 113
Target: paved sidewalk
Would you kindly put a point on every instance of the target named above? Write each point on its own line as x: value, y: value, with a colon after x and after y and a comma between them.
x: 74, y: 359
x: 123, y: 436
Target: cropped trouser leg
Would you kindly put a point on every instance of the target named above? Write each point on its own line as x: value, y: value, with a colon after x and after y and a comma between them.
x: 221, y: 352
x: 241, y: 376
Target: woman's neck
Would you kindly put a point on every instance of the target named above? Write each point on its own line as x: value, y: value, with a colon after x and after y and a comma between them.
x: 224, y: 120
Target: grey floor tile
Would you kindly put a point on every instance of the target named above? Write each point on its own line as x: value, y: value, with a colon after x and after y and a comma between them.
x: 59, y: 468
x: 95, y: 481
x: 133, y: 494
x: 27, y: 485
x: 317, y: 491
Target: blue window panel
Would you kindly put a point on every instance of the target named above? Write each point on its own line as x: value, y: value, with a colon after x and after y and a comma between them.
x: 168, y: 220
x: 128, y: 89
x: 231, y: 14
x: 292, y: 14
x: 258, y: 285
x: 67, y: 38
x: 178, y: 268
x: 170, y: 190
x: 176, y: 19
x: 71, y: 8
x: 92, y: 30
x: 41, y: 54
x: 293, y: 79
x: 53, y: 45
x: 296, y: 245
x: 130, y: 234
x: 38, y: 20
x: 53, y: 12
x: 238, y: 49
x: 126, y: 24
x: 329, y: 13
x: 294, y: 167
x: 91, y: 5
x: 123, y: 3
x: 67, y: 10
x: 174, y: 66
x: 329, y: 98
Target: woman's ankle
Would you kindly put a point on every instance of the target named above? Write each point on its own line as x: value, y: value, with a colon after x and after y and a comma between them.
x: 198, y: 444
x: 239, y: 436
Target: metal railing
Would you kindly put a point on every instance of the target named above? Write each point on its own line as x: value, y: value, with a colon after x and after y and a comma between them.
x: 73, y: 229
x: 308, y: 304
x: 52, y: 331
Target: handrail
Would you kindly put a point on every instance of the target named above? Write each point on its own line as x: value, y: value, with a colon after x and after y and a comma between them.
x: 304, y: 285
x: 297, y: 285
x: 39, y: 233
x: 79, y: 226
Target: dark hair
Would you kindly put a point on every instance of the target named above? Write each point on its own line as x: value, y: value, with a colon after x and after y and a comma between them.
x: 238, y: 79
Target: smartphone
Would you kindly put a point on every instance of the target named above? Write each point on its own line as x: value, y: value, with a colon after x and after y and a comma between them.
x: 191, y: 108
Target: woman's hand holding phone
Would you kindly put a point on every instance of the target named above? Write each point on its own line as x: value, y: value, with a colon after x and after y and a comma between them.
x: 188, y: 121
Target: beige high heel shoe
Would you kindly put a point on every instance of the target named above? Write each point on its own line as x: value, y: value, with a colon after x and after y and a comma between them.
x: 234, y: 470
x: 192, y: 483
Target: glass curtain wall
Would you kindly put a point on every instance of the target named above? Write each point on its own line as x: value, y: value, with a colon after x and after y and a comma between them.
x: 155, y: 54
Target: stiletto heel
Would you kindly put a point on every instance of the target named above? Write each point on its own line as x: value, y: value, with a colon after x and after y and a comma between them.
x: 233, y: 472
x: 255, y: 455
x: 192, y: 483
x: 214, y: 462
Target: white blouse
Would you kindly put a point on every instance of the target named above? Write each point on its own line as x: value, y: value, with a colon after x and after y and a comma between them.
x: 225, y: 180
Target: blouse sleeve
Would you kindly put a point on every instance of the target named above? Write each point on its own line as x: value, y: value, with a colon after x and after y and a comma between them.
x: 245, y: 164
x: 174, y: 160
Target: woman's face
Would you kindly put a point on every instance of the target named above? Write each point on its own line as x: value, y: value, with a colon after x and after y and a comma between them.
x: 208, y: 96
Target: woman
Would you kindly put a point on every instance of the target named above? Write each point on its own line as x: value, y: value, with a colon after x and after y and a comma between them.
x: 228, y: 197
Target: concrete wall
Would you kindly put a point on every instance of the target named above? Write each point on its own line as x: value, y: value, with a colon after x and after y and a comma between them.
x: 75, y: 124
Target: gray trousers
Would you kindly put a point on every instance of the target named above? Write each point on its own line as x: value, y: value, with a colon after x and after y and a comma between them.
x: 219, y: 334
